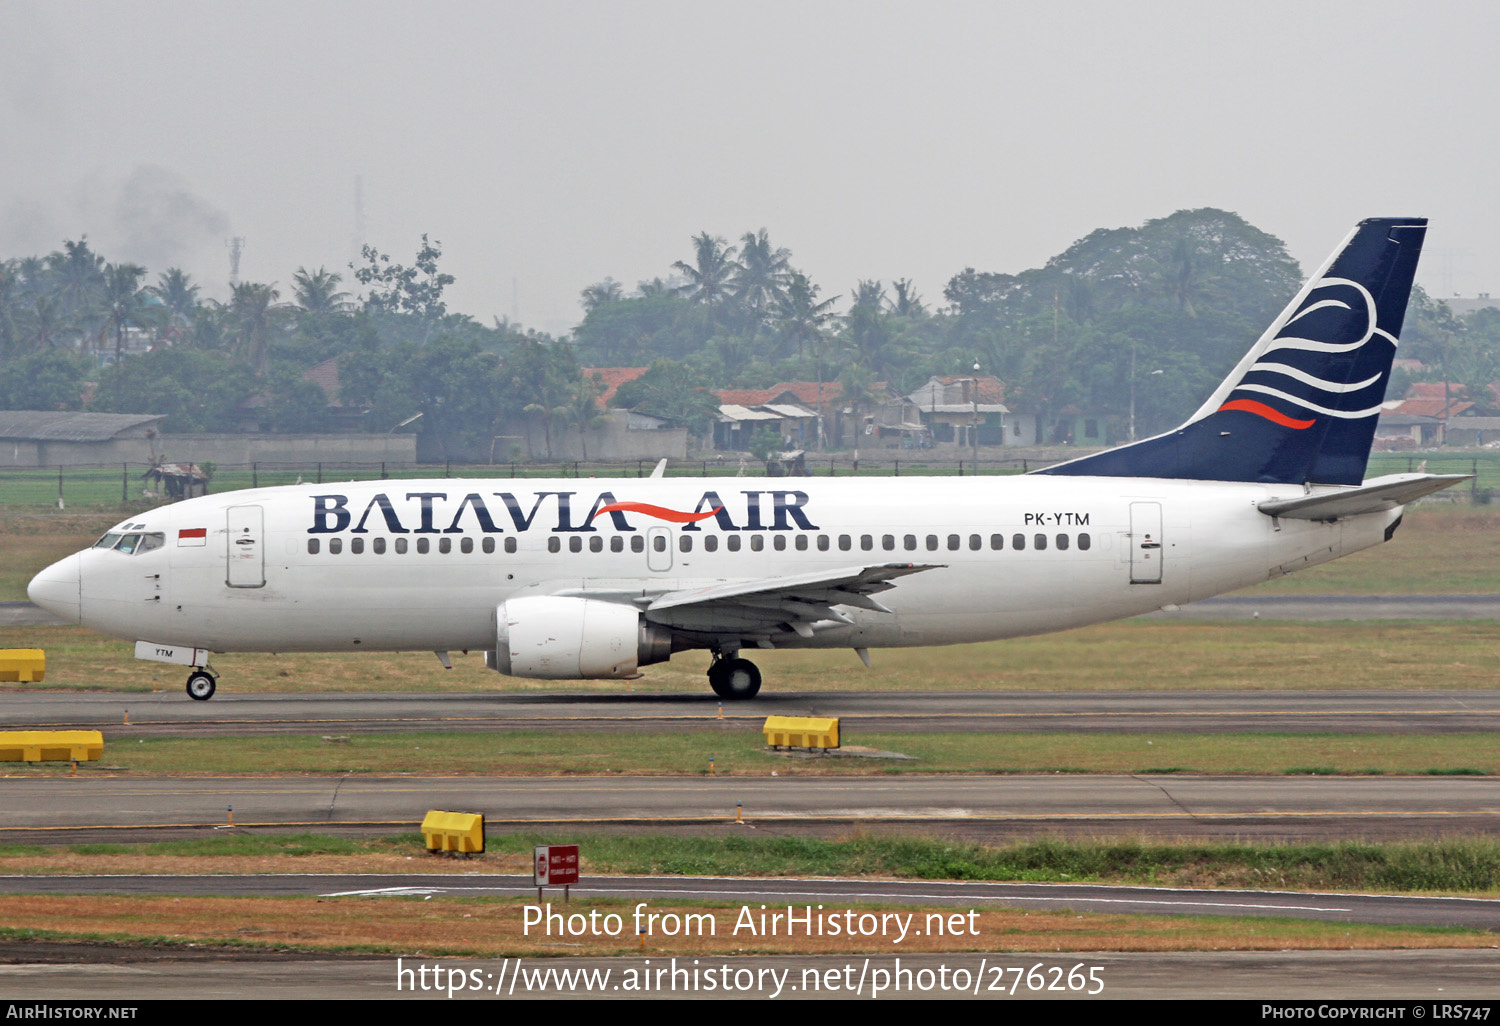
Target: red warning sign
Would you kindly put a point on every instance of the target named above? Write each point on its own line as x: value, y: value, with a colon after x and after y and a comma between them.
x: 556, y: 865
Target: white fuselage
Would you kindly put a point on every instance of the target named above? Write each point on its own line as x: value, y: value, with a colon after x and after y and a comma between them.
x: 422, y: 569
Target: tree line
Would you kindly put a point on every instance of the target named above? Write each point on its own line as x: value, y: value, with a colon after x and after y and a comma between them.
x: 1145, y: 318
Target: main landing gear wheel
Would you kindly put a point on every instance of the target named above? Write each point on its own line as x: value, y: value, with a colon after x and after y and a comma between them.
x: 201, y: 685
x: 735, y: 679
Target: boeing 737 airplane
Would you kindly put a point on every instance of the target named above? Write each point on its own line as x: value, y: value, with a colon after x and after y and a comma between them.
x: 571, y: 580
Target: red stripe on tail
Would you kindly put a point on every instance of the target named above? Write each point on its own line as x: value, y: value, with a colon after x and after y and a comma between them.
x: 1262, y: 410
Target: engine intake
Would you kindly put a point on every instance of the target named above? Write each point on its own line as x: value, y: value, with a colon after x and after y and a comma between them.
x: 559, y: 638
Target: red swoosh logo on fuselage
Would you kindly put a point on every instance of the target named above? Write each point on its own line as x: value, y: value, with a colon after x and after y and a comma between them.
x: 1262, y: 410
x: 676, y: 516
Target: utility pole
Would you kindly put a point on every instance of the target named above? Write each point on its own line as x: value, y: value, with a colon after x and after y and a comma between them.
x: 975, y: 429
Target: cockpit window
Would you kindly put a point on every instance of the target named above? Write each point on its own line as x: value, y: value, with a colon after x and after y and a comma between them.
x: 132, y: 544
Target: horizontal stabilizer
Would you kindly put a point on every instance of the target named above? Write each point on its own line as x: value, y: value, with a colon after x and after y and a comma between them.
x: 1376, y: 496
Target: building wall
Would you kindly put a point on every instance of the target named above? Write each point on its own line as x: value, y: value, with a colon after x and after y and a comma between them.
x: 231, y: 449
x: 614, y: 440
x: 72, y: 454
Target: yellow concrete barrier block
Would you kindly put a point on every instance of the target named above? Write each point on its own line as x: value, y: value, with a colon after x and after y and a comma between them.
x: 802, y: 731
x: 453, y: 831
x: 27, y: 665
x: 50, y: 745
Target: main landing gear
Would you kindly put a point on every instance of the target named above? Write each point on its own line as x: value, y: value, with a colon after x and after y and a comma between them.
x: 734, y: 678
x: 201, y: 685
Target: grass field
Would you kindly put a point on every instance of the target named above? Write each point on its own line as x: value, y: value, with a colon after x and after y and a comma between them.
x: 1458, y: 865
x: 1128, y: 655
x: 738, y: 748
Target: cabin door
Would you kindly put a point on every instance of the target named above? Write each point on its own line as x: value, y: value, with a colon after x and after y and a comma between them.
x: 659, y: 549
x: 245, y: 547
x: 1145, y: 543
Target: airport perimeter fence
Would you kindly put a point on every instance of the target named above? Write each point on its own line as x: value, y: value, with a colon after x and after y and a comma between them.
x: 110, y: 486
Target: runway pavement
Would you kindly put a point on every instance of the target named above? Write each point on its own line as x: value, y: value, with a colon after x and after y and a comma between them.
x: 57, y: 808
x: 173, y: 713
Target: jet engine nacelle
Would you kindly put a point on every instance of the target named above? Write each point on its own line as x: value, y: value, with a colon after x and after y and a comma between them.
x: 560, y: 638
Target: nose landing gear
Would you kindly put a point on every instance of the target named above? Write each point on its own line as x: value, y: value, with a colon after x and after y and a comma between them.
x: 201, y: 685
x: 734, y: 678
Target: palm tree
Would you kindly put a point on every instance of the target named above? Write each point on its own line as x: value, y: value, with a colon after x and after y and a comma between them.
x: 179, y: 294
x: 907, y: 303
x: 80, y: 275
x: 711, y: 275
x: 317, y: 291
x: 800, y: 317
x: 760, y: 283
x: 601, y: 292
x: 255, y: 315
x: 124, y: 301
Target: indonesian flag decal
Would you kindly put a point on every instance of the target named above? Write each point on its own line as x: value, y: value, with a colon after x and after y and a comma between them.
x: 675, y: 516
x: 192, y: 536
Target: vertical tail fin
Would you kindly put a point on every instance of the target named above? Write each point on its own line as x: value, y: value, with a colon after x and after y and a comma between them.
x: 1301, y: 406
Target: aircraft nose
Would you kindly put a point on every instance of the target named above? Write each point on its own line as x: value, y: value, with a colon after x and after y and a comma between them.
x: 56, y: 589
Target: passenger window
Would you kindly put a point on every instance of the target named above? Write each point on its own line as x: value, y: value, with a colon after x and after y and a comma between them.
x: 510, y: 545
x: 710, y: 543
x: 617, y: 544
x: 445, y: 545
x: 488, y: 544
x: 1018, y: 542
x: 866, y: 542
x: 888, y: 541
x: 659, y: 543
x: 335, y: 546
x: 401, y: 546
x: 733, y: 541
x: 779, y: 542
x: 637, y: 543
x: 596, y: 543
x: 932, y: 543
x: 423, y: 544
x: 685, y: 543
x: 312, y: 546
x: 554, y: 544
x: 976, y: 542
x: 953, y: 543
x: 801, y: 543
x: 575, y: 544
x: 377, y: 546
x: 997, y: 541
x: 1041, y: 541
x: 910, y: 542
x: 757, y: 543
x: 1083, y: 542
x: 357, y: 545
x: 822, y: 543
x: 845, y: 543
x: 1062, y: 542
x: 466, y: 544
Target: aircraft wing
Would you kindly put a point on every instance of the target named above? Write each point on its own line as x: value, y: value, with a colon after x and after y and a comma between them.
x: 1374, y: 496
x: 798, y: 601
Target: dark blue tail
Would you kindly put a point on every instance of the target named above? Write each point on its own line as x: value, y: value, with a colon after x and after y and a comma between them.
x: 1301, y: 406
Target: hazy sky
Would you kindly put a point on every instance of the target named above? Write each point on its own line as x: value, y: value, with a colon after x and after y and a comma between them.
x: 548, y: 145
